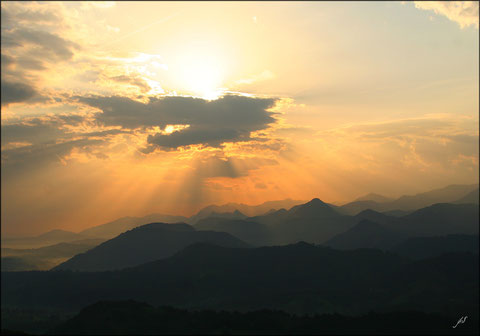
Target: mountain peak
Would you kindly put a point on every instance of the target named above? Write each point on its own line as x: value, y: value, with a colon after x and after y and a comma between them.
x: 314, y: 208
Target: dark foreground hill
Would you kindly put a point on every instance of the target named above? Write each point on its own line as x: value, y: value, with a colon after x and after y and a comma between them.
x: 299, y: 278
x: 135, y: 318
x: 144, y: 244
x: 427, y: 247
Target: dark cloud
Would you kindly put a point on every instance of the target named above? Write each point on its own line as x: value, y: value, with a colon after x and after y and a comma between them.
x: 34, y: 132
x: 17, y: 161
x: 16, y: 92
x: 230, y: 118
x: 49, y: 129
x: 38, y: 142
x: 49, y: 46
x: 30, y: 63
x: 197, y: 135
x: 31, y: 16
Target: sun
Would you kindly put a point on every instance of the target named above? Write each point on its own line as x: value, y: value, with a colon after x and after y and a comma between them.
x: 199, y: 72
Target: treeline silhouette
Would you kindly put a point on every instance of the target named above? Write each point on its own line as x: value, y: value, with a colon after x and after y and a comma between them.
x: 299, y: 278
x: 130, y: 317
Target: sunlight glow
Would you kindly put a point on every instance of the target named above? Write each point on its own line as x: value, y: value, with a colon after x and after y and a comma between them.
x: 200, y: 71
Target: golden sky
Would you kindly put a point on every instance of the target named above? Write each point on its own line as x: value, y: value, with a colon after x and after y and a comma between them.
x: 129, y: 108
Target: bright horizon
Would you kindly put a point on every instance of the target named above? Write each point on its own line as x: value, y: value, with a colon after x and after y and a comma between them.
x: 126, y: 109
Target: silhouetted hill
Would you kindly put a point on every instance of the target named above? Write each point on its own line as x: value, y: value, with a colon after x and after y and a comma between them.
x: 373, y: 197
x: 143, y: 244
x: 443, y: 219
x: 356, y: 207
x: 299, y: 278
x: 449, y: 194
x: 270, y: 218
x: 248, y: 231
x: 114, y: 228
x: 248, y: 210
x: 313, y: 222
x: 471, y: 197
x: 313, y: 209
x: 377, y: 217
x: 382, y: 231
x: 366, y: 234
x: 131, y: 317
x: 427, y: 247
x: 397, y: 213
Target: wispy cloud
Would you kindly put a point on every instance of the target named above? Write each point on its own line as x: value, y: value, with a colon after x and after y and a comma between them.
x: 465, y: 13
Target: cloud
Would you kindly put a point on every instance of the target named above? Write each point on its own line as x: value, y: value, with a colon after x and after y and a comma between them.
x: 465, y: 13
x: 211, y: 123
x: 133, y: 80
x: 16, y: 92
x: 411, y: 144
x: 36, y: 141
x: 48, y: 46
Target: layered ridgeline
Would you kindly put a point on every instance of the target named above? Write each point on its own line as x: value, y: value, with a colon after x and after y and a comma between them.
x: 144, y: 244
x: 320, y: 223
x: 299, y: 278
x: 313, y: 222
x: 377, y: 230
x: 405, y: 204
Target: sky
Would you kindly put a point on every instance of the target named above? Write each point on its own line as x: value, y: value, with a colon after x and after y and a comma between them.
x: 131, y: 108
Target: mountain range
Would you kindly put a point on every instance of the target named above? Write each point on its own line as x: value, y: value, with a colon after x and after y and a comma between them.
x: 144, y: 244
x: 450, y: 194
x: 299, y: 278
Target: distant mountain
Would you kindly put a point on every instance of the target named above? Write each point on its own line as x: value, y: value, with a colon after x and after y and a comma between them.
x: 443, y: 219
x: 44, y: 258
x: 355, y: 207
x: 45, y: 239
x: 374, y: 197
x: 377, y: 217
x: 378, y: 230
x: 144, y: 244
x: 366, y: 234
x: 471, y: 197
x: 248, y: 210
x: 449, y: 194
x: 427, y: 247
x: 300, y: 278
x: 397, y: 213
x: 250, y: 232
x: 313, y: 222
x: 114, y: 228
